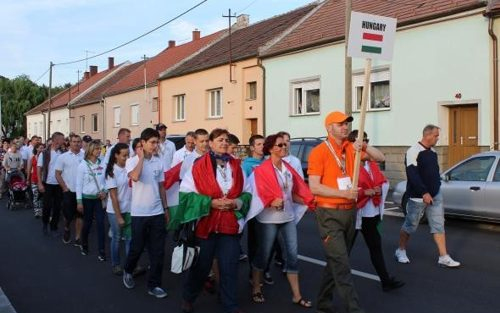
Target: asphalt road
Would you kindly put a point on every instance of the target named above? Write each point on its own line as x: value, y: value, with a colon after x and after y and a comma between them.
x: 41, y: 274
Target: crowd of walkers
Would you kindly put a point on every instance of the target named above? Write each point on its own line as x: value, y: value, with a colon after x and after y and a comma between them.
x: 145, y: 187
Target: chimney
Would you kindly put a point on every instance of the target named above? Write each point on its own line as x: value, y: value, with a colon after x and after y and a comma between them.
x: 196, y: 34
x: 243, y: 20
x: 171, y: 43
x: 86, y: 75
x: 93, y: 70
x: 111, y: 62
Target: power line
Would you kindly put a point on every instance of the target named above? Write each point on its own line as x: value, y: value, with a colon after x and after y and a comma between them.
x: 41, y: 76
x: 243, y: 10
x: 137, y: 38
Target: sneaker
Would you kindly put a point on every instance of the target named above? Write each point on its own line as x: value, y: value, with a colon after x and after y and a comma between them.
x: 447, y: 261
x: 84, y: 250
x: 77, y: 243
x: 392, y: 284
x: 66, y: 236
x: 128, y: 280
x: 268, y: 279
x: 401, y: 257
x: 117, y: 270
x: 156, y: 292
x: 243, y: 257
x: 101, y: 257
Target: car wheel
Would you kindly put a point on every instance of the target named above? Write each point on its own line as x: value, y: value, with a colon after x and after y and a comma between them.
x: 404, y: 202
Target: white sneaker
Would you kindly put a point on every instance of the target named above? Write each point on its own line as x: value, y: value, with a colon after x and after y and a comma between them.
x: 447, y: 261
x: 401, y: 257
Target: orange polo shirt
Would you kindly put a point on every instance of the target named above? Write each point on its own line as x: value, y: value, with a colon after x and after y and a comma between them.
x: 322, y: 163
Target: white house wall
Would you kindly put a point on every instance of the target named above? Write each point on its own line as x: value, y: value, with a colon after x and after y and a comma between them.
x: 431, y: 64
x: 35, y: 125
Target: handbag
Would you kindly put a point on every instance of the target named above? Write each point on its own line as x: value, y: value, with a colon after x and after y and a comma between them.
x: 186, y: 253
x: 103, y: 201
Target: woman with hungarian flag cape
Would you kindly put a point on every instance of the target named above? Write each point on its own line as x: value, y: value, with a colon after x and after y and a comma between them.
x: 214, y: 193
x: 281, y: 197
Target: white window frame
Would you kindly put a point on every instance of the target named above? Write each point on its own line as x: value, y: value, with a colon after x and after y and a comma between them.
x: 180, y: 108
x: 305, y: 84
x: 154, y: 104
x: 249, y: 95
x: 137, y: 117
x: 378, y: 75
x: 217, y: 109
x: 117, y: 121
x: 94, y: 122
x: 82, y: 124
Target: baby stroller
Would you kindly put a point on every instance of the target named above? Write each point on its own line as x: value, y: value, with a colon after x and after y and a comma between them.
x: 18, y: 190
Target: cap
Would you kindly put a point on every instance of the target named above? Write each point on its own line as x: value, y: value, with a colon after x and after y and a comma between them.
x: 87, y: 138
x: 337, y: 117
x: 160, y: 126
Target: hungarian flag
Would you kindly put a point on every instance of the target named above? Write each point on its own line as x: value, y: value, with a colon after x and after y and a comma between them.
x: 372, y: 42
x: 265, y: 189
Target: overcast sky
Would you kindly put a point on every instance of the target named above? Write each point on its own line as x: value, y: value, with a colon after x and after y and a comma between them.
x: 36, y: 32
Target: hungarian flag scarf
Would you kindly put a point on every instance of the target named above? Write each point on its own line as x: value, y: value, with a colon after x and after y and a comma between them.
x: 367, y: 181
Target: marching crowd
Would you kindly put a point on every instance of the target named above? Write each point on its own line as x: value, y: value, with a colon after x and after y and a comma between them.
x: 145, y: 187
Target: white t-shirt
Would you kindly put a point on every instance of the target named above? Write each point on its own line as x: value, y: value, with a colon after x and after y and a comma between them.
x: 146, y: 199
x: 295, y: 163
x: 273, y: 216
x: 51, y: 171
x: 166, y: 154
x: 180, y: 155
x: 27, y: 152
x: 68, y: 163
x: 124, y: 192
x: 188, y: 163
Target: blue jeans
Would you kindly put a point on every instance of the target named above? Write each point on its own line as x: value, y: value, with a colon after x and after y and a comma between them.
x: 267, y: 234
x: 226, y: 249
x: 93, y: 207
x: 116, y: 235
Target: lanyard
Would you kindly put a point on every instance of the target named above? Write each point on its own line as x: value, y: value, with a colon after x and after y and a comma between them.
x: 282, y: 177
x: 340, y: 163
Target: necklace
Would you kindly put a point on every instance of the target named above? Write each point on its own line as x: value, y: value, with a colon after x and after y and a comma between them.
x: 283, y: 178
x: 222, y: 170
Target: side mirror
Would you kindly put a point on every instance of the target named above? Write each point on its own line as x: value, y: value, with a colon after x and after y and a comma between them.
x: 445, y: 177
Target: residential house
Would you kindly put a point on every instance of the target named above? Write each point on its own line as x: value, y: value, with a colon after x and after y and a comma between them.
x: 222, y: 86
x: 133, y: 101
x: 441, y: 73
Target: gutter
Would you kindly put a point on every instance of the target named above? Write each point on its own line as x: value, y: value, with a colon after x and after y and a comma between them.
x: 259, y: 64
x: 495, y: 81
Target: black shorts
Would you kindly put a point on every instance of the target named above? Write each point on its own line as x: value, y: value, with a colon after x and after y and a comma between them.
x: 69, y: 206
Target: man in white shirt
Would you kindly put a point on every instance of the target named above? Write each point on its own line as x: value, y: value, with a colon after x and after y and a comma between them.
x: 201, y: 147
x: 149, y: 212
x: 66, y: 167
x: 166, y: 148
x: 27, y: 154
x: 48, y: 185
x: 123, y: 137
x: 183, y: 152
x: 290, y: 158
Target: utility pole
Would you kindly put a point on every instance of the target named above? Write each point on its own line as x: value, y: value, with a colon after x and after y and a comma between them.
x: 229, y: 16
x: 1, y: 124
x: 348, y: 62
x: 50, y: 100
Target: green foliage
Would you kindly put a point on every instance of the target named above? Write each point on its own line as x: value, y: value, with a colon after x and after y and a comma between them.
x: 18, y: 96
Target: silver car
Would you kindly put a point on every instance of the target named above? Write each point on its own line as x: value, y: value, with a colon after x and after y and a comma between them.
x: 471, y: 188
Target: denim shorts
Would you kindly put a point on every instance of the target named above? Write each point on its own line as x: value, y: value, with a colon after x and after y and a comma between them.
x: 435, y: 215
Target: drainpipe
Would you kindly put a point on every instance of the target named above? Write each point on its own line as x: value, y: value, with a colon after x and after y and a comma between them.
x: 259, y: 64
x: 103, y: 105
x: 495, y: 82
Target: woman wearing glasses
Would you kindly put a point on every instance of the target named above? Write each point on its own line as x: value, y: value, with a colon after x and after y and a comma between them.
x: 118, y: 207
x: 372, y: 190
x: 280, y: 199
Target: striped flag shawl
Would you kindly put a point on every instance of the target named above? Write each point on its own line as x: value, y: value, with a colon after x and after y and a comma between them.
x: 265, y: 188
x: 199, y: 186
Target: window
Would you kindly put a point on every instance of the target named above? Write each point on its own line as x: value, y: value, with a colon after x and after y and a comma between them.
x: 82, y: 124
x: 497, y: 173
x: 95, y: 122
x: 251, y: 91
x: 116, y: 116
x: 179, y: 107
x: 379, y: 93
x: 305, y: 97
x: 476, y: 169
x: 134, y: 114
x: 154, y: 104
x: 215, y: 103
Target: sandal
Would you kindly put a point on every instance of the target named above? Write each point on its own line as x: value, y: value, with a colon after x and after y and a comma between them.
x: 258, y: 297
x: 303, y: 303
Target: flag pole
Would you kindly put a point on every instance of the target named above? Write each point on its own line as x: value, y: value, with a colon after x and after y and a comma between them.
x: 361, y: 128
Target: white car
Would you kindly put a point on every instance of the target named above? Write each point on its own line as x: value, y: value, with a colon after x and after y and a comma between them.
x: 471, y: 188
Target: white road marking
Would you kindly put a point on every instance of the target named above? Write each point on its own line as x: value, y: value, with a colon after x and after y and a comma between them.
x: 391, y: 213
x: 354, y: 272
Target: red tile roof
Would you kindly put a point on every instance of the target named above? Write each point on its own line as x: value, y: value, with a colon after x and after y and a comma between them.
x: 245, y: 43
x: 327, y: 24
x: 493, y: 7
x: 64, y: 97
x: 96, y: 94
x: 159, y: 63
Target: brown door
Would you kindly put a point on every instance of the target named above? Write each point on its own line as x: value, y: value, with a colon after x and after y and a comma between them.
x: 253, y: 126
x: 463, y: 133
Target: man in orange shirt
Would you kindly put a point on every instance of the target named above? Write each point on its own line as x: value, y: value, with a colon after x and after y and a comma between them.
x: 331, y: 170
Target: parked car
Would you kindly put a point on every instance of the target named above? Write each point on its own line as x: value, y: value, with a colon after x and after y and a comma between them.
x: 471, y: 188
x: 301, y: 148
x: 178, y: 140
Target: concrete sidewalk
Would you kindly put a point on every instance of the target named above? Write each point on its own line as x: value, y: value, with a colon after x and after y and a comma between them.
x: 5, y: 306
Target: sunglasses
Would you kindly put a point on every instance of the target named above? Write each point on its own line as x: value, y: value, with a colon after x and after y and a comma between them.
x: 366, y: 140
x: 281, y: 145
